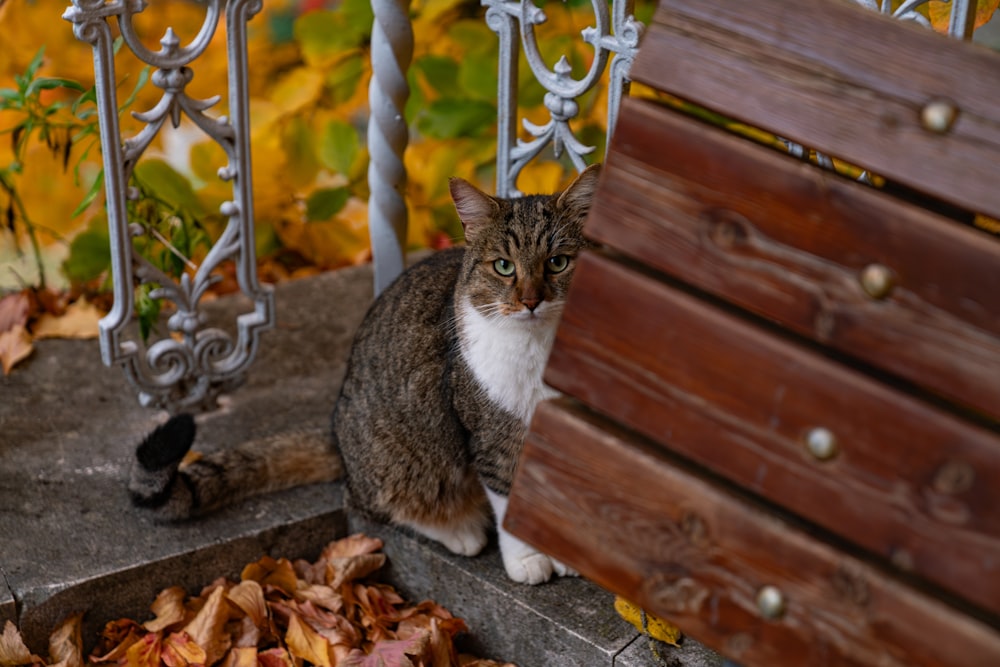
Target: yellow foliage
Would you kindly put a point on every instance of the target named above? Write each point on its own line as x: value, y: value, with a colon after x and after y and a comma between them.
x: 655, y: 626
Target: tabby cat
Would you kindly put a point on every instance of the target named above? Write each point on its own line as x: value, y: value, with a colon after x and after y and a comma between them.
x: 443, y: 377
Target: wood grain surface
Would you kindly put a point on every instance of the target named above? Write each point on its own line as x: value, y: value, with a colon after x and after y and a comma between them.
x: 791, y: 242
x: 841, y: 79
x: 911, y: 483
x: 625, y: 515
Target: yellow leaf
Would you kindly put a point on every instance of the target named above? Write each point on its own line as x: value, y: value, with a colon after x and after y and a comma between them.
x: 206, y: 628
x: 304, y: 642
x: 298, y: 89
x: 169, y: 609
x: 79, y: 321
x: 15, y: 346
x: 13, y: 650
x: 66, y: 644
x: 939, y: 13
x: 655, y: 626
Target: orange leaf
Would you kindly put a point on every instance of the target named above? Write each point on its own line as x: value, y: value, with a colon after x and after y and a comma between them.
x: 206, y: 629
x: 306, y: 643
x: 169, y: 609
x: 241, y: 657
x: 249, y: 597
x: 15, y: 346
x: 270, y: 572
x: 145, y: 652
x: 79, y: 321
x: 65, y: 644
x: 13, y: 650
x: 116, y: 639
x: 179, y: 650
x: 275, y: 657
x: 939, y: 13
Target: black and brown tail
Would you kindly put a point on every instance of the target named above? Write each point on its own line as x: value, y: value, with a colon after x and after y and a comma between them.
x: 172, y: 485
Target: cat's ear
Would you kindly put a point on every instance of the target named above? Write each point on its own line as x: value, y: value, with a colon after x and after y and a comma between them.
x: 475, y: 208
x: 580, y: 193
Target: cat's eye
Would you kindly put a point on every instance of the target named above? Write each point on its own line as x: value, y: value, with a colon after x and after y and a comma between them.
x: 557, y: 264
x: 504, y: 267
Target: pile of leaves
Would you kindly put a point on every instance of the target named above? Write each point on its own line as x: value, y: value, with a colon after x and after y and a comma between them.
x: 280, y: 614
x: 42, y: 313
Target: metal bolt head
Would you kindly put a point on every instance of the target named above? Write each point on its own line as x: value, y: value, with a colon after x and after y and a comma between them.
x: 770, y: 603
x: 938, y: 116
x: 821, y: 443
x: 876, y: 281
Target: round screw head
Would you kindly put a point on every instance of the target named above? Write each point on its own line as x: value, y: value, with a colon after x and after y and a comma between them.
x: 938, y: 116
x: 821, y: 443
x: 770, y: 603
x: 876, y: 281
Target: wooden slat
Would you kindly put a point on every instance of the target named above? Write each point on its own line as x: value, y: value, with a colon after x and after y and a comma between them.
x: 626, y: 517
x: 841, y: 79
x: 790, y: 241
x: 912, y: 483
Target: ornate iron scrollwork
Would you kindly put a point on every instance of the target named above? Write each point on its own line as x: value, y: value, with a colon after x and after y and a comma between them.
x: 192, y: 365
x: 616, y: 36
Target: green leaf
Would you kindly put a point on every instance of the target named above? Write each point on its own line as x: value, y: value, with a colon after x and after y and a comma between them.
x: 168, y: 185
x: 339, y: 146
x: 91, y: 195
x: 344, y: 77
x: 326, y: 35
x: 89, y: 255
x: 440, y: 72
x: 448, y: 118
x: 477, y: 75
x: 299, y: 142
x: 50, y: 83
x: 325, y: 203
x: 148, y: 310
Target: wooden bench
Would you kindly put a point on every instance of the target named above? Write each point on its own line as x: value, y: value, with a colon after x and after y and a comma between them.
x: 781, y: 428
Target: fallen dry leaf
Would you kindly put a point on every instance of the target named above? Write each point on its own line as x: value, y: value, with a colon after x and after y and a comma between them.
x: 206, y: 628
x: 66, y: 643
x: 12, y: 648
x: 169, y: 609
x: 179, y: 650
x: 79, y: 321
x: 304, y: 642
x: 273, y: 618
x: 15, y: 346
x: 14, y: 310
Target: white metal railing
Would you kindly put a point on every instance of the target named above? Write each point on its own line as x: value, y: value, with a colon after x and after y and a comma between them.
x: 189, y: 368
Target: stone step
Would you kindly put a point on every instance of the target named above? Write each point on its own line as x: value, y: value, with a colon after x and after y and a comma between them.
x: 567, y: 622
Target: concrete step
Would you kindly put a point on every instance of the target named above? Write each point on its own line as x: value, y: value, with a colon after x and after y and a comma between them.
x: 567, y: 622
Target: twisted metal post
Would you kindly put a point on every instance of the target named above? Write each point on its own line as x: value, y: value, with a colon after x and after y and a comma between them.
x: 391, y: 52
x: 614, y: 37
x: 188, y: 368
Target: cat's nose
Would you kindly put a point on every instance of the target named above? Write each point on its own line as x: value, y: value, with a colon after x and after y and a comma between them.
x: 531, y: 302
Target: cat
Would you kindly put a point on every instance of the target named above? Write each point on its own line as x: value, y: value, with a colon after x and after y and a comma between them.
x: 443, y: 377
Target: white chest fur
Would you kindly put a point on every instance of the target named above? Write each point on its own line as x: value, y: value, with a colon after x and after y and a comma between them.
x: 507, y: 357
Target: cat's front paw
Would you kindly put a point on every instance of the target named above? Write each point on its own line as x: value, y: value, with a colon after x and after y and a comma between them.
x: 527, y: 565
x: 563, y: 570
x: 466, y: 539
x: 465, y: 542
